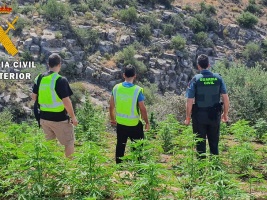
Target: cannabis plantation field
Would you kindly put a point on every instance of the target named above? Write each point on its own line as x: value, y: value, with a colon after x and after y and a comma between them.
x: 164, y: 166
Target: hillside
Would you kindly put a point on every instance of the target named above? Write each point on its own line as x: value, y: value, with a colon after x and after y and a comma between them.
x: 96, y: 38
x: 162, y: 38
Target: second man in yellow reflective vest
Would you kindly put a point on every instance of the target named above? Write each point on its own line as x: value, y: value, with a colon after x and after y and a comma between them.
x: 126, y: 105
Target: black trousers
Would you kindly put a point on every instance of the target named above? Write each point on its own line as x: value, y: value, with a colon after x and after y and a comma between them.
x: 204, y: 128
x: 125, y: 132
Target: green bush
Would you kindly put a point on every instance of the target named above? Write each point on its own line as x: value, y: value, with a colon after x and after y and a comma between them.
x: 87, y: 37
x: 78, y: 91
x: 168, y: 29
x: 144, y: 32
x: 247, y: 91
x: 209, y: 23
x: 253, y: 52
x: 21, y: 23
x: 54, y: 10
x: 178, y: 42
x: 261, y: 130
x: 27, y: 9
x: 124, y: 3
x: 195, y: 24
x: 127, y: 57
x: 94, y: 4
x: 83, y: 7
x: 207, y: 9
x: 264, y: 2
x: 253, y: 8
x: 150, y: 19
x: 26, y: 56
x: 177, y: 21
x: 247, y: 20
x: 202, y: 39
x: 128, y: 15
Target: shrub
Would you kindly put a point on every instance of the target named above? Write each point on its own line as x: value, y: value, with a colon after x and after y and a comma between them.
x: 58, y: 35
x: 207, y: 9
x: 87, y: 36
x: 127, y: 56
x: 54, y: 10
x: 27, y: 9
x: 78, y: 91
x: 246, y: 89
x: 178, y: 42
x: 261, y: 129
x: 94, y: 4
x: 177, y: 21
x: 26, y: 56
x: 209, y: 23
x: 253, y: 8
x: 150, y: 19
x: 252, y: 52
x: 264, y: 2
x: 202, y: 39
x: 247, y: 20
x: 21, y: 23
x: 168, y: 29
x: 83, y: 7
x: 144, y: 32
x: 150, y: 91
x: 195, y: 25
x: 128, y: 15
x: 123, y: 3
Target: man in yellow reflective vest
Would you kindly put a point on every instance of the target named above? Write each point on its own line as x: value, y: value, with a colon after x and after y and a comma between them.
x: 52, y: 92
x: 126, y: 105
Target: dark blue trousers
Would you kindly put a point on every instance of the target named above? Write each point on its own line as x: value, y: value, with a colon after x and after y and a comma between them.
x: 125, y: 132
x: 206, y: 128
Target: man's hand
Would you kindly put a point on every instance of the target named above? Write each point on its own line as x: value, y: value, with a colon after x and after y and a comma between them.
x: 225, y: 118
x: 113, y: 122
x: 147, y: 127
x: 74, y: 121
x: 187, y: 121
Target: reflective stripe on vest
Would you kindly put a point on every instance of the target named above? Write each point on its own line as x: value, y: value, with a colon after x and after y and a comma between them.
x: 125, y: 119
x: 55, y: 103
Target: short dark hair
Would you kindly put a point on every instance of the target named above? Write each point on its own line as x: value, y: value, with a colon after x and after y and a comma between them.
x: 54, y: 60
x: 129, y: 71
x: 203, y: 61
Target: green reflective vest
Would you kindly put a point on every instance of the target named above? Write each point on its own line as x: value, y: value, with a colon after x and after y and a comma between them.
x: 47, y: 96
x: 126, y: 104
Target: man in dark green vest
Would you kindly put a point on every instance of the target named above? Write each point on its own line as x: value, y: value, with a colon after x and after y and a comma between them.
x: 203, y: 102
x: 126, y: 105
x: 52, y: 92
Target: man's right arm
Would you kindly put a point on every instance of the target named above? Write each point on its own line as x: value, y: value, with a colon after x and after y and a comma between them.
x: 112, y: 111
x: 143, y: 111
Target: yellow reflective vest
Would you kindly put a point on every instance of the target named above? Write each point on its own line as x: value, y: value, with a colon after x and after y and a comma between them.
x: 125, y: 98
x: 47, y: 97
